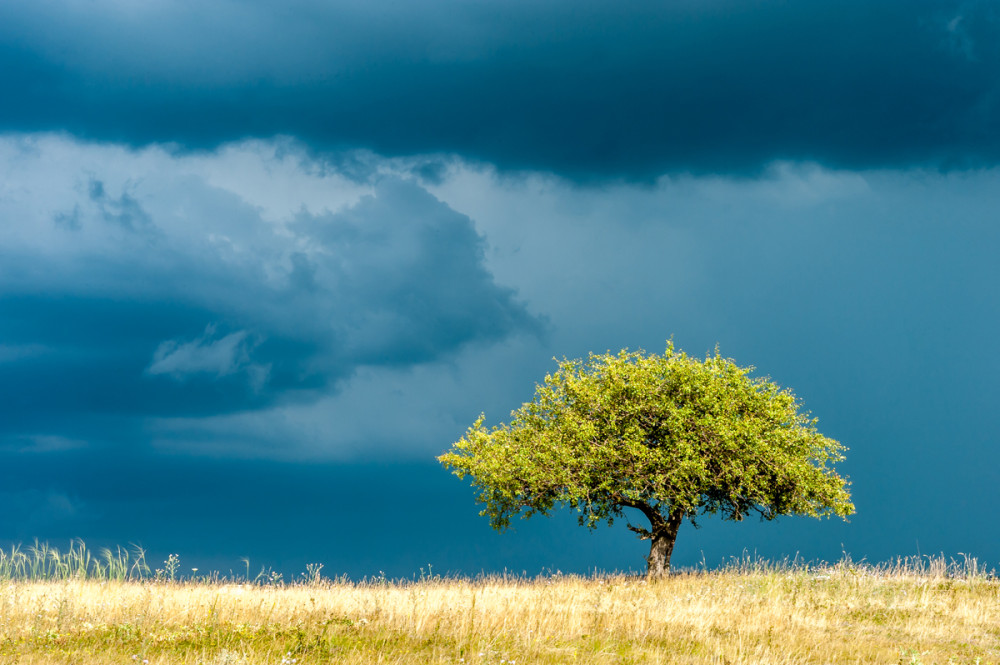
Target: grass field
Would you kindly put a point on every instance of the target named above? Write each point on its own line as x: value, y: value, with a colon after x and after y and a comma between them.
x: 916, y: 611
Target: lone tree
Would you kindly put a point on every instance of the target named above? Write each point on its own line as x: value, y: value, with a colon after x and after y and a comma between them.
x: 671, y: 436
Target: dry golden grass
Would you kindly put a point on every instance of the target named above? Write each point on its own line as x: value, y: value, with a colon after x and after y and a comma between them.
x: 847, y: 614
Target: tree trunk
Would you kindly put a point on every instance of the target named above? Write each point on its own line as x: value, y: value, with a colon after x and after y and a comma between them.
x: 664, y: 534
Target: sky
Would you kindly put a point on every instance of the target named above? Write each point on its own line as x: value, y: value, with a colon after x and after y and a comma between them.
x: 260, y: 263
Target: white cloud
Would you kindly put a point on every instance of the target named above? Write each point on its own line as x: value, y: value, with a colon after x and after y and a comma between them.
x: 380, y: 412
x: 220, y: 357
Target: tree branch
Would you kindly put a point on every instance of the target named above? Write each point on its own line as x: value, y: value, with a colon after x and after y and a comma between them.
x: 652, y: 514
x: 644, y: 534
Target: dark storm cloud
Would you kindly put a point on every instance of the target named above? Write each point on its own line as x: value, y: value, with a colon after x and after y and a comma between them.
x: 583, y: 88
x: 419, y: 285
x: 143, y: 314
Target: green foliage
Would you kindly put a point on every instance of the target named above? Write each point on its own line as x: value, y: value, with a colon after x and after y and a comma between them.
x: 668, y: 434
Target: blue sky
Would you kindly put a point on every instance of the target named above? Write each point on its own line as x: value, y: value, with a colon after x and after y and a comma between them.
x: 260, y: 262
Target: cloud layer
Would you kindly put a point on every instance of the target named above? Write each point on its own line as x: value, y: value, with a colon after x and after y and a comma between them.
x: 589, y: 90
x: 162, y: 294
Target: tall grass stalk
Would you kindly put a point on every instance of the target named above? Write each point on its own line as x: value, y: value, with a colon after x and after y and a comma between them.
x: 43, y: 562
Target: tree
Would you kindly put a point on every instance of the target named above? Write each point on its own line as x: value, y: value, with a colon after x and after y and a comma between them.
x: 671, y: 436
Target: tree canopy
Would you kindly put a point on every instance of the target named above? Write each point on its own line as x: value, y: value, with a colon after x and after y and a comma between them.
x: 672, y: 436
